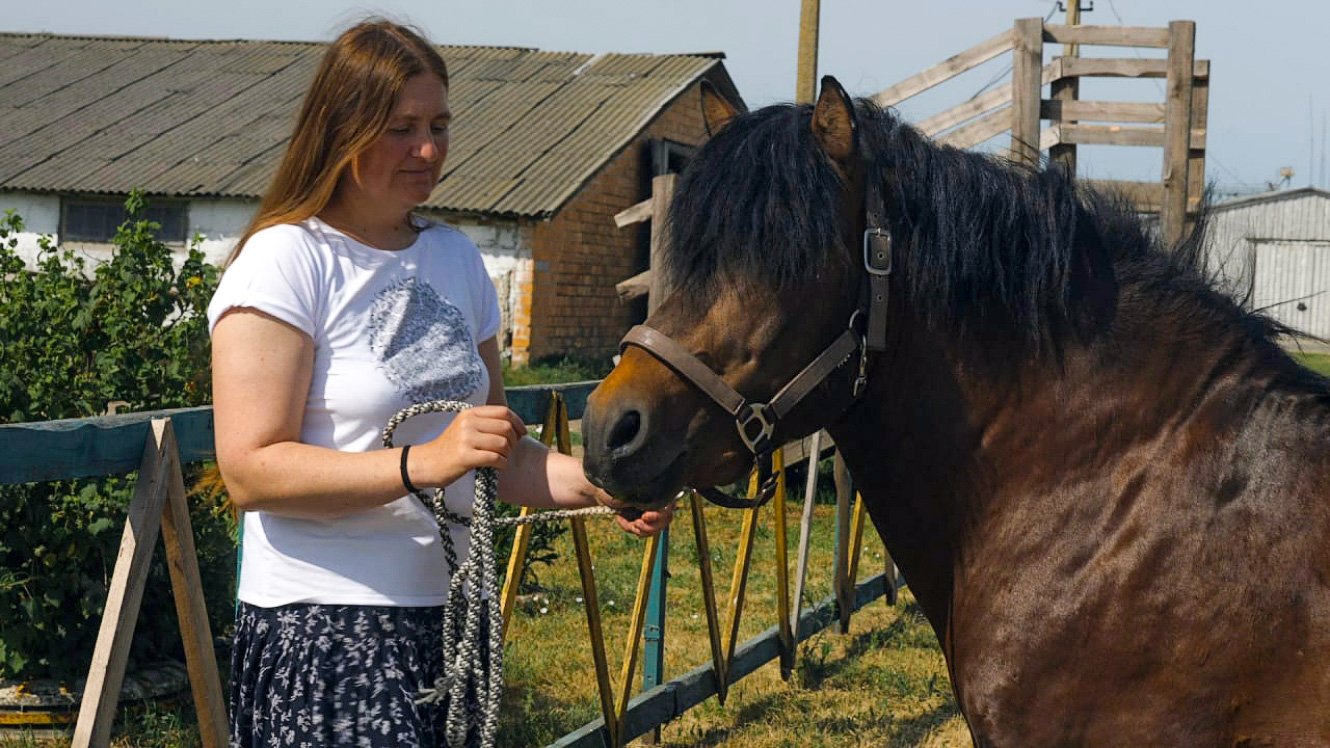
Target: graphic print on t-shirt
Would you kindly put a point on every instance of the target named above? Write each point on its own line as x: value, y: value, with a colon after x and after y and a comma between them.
x: 423, y: 343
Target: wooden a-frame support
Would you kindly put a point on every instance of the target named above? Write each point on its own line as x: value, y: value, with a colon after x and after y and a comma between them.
x: 159, y: 503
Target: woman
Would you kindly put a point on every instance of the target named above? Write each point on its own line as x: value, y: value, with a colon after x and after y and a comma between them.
x: 339, y: 308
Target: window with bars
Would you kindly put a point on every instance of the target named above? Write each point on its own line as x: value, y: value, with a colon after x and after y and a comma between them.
x: 96, y: 219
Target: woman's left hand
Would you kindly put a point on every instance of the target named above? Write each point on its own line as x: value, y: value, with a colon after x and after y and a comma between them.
x: 649, y: 523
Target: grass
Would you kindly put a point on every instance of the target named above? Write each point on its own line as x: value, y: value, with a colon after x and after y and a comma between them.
x: 1317, y: 362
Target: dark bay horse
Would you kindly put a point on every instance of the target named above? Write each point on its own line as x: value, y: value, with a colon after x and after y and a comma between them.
x: 1107, y: 487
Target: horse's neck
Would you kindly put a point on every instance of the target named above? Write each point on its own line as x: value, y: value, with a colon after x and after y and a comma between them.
x: 944, y: 436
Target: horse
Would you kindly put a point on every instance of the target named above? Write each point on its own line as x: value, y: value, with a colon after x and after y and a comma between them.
x: 1106, y: 484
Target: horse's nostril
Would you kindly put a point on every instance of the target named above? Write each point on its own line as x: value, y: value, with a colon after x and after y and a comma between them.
x: 625, y: 430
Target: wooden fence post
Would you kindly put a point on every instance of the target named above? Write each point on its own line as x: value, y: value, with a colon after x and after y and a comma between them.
x: 1026, y: 89
x: 159, y: 495
x: 1177, y: 129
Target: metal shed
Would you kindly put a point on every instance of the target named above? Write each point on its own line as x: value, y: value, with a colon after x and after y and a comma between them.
x: 1272, y: 251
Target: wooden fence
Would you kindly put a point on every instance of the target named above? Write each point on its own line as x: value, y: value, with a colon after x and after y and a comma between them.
x: 157, y: 445
x: 1177, y: 125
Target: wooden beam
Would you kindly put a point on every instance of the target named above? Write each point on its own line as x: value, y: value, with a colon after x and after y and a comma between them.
x: 636, y: 286
x: 1070, y: 111
x: 806, y: 83
x: 1200, y: 120
x: 1026, y: 89
x: 1120, y: 67
x: 945, y: 70
x: 1177, y: 126
x: 662, y: 194
x: 1146, y: 196
x: 111, y: 653
x: 636, y: 214
x: 998, y: 97
x: 1119, y: 135
x: 978, y: 131
x: 182, y: 562
x: 1107, y: 36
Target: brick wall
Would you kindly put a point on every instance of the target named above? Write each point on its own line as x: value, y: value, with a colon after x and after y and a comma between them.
x: 579, y: 255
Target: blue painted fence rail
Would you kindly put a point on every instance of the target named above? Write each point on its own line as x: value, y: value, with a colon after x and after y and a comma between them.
x: 113, y: 445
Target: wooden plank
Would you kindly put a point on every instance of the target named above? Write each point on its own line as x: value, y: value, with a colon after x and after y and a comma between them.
x: 1120, y: 67
x: 1200, y: 120
x: 671, y: 700
x: 1177, y: 126
x: 1146, y: 196
x: 954, y: 116
x: 805, y: 533
x: 634, y: 287
x: 945, y: 70
x: 805, y: 85
x: 976, y: 132
x: 88, y: 447
x: 1070, y: 110
x: 191, y: 608
x: 107, y: 673
x: 1026, y: 92
x: 783, y: 623
x: 636, y: 214
x: 1119, y: 135
x: 1108, y: 36
x: 636, y: 623
x: 1111, y: 135
x: 840, y: 582
x: 662, y: 194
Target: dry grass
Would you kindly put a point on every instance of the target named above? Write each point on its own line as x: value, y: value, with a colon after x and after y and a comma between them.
x: 883, y: 684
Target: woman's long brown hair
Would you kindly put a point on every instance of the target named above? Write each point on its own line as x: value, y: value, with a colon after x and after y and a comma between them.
x: 345, y: 110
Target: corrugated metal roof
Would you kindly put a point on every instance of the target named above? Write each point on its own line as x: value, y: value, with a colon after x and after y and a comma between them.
x: 86, y: 114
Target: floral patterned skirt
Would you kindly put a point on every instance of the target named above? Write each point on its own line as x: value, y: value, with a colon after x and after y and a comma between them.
x: 335, y: 675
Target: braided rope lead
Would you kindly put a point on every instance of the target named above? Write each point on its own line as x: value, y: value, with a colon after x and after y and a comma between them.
x: 472, y: 682
x: 472, y: 605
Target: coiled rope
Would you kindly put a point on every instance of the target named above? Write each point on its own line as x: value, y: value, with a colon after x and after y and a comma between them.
x: 471, y: 681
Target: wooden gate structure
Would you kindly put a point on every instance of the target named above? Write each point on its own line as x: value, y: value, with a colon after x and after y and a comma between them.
x: 1177, y: 125
x: 158, y: 444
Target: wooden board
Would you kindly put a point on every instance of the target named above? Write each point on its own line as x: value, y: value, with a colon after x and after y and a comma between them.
x: 945, y: 70
x: 1107, y: 36
x: 111, y: 654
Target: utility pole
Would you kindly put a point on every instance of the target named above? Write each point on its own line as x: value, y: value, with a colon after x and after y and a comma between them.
x: 1067, y: 89
x: 806, y: 85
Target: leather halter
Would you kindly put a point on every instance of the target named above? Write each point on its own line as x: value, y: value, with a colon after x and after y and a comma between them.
x: 757, y: 422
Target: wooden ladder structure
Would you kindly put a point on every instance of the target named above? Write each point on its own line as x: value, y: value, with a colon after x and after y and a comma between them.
x: 1177, y: 125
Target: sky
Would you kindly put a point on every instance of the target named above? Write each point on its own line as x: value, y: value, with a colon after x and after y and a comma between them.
x: 1270, y: 62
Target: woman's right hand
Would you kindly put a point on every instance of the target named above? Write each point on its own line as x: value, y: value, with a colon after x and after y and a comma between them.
x: 483, y: 436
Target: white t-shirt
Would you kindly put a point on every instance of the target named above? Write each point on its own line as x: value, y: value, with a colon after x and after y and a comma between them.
x: 390, y: 329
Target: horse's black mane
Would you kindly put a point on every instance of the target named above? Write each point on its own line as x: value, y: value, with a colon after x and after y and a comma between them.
x: 987, y: 245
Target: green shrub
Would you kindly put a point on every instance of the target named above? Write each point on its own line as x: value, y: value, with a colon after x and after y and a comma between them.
x: 74, y: 339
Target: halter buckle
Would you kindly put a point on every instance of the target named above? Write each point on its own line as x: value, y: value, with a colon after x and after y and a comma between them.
x: 755, y: 427
x: 877, y: 251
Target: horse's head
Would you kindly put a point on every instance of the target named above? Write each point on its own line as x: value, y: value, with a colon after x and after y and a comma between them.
x: 766, y: 228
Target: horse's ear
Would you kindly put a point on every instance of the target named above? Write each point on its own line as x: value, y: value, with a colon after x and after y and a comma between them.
x: 833, y: 120
x: 717, y: 111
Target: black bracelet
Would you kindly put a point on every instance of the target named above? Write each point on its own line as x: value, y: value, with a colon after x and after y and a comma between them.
x: 406, y: 477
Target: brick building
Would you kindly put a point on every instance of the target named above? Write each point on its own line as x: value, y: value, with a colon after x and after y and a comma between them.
x: 546, y: 148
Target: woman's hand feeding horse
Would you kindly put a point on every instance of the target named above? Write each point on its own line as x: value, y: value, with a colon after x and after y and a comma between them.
x: 1105, y: 483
